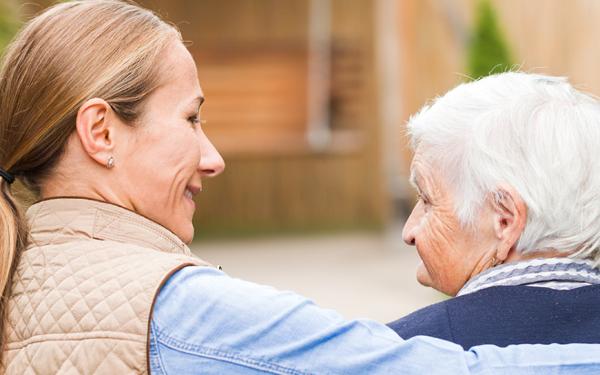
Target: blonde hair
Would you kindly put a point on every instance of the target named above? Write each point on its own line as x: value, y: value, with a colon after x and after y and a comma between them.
x: 68, y: 54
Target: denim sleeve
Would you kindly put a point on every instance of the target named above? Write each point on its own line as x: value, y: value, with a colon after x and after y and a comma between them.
x: 205, y: 322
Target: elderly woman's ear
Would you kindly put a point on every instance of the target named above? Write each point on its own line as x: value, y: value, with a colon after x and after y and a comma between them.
x: 509, y: 219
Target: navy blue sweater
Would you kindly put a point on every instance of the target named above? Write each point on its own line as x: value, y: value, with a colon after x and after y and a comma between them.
x: 506, y: 315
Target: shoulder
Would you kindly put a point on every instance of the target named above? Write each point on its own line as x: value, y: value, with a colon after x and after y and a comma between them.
x: 450, y: 319
x: 102, y: 252
x: 506, y: 315
x: 432, y: 321
x: 108, y: 263
x: 445, y: 319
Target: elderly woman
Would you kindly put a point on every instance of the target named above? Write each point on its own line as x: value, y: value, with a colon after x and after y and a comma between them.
x: 508, y: 215
x: 99, y: 114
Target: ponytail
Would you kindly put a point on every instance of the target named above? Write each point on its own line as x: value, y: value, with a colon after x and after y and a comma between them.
x: 13, y: 237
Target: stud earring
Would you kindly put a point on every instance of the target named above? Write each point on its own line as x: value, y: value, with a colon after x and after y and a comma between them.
x: 110, y: 162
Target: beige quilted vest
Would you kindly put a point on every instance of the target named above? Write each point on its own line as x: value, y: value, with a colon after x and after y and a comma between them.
x: 84, y: 289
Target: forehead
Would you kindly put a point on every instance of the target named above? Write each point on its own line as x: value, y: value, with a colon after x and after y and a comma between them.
x: 179, y: 63
x: 416, y: 166
x: 180, y: 80
x: 423, y: 171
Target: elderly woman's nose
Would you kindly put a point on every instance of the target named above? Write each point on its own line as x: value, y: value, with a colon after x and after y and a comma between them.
x: 408, y: 232
x: 211, y: 162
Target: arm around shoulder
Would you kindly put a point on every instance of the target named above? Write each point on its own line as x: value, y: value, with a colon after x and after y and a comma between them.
x: 207, y: 322
x: 204, y: 318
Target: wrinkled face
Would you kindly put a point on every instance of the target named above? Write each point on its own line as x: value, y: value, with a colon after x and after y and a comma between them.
x: 168, y: 153
x: 450, y: 254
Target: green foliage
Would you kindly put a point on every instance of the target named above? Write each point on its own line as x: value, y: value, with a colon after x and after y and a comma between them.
x: 9, y: 23
x: 488, y: 51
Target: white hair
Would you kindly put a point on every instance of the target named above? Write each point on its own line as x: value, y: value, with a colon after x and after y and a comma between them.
x: 535, y: 133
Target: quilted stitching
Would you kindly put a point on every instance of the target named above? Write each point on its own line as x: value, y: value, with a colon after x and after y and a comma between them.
x: 83, y: 290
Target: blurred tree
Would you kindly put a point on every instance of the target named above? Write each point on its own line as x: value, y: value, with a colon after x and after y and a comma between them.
x: 9, y: 22
x: 488, y: 51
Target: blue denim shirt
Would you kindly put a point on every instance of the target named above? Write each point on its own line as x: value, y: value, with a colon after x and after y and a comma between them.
x: 205, y: 322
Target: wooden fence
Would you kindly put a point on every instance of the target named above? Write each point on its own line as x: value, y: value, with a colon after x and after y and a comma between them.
x: 252, y: 58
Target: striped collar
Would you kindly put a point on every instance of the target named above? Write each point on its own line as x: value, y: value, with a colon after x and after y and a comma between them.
x: 554, y: 273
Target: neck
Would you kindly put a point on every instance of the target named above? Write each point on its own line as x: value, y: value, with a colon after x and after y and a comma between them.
x: 513, y: 256
x: 56, y: 191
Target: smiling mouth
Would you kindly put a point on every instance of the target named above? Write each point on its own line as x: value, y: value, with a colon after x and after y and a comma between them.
x: 191, y: 191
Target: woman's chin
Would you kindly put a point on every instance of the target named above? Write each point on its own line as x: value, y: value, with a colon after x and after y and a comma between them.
x: 188, y: 235
x: 183, y: 228
x: 423, y: 276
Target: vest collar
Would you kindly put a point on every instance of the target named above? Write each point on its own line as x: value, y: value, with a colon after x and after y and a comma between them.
x: 60, y: 220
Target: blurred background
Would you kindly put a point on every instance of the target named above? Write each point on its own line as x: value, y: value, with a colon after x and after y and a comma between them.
x: 307, y: 101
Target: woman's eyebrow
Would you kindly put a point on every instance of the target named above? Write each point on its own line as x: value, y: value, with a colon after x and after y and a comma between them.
x: 413, y: 180
x: 200, y: 100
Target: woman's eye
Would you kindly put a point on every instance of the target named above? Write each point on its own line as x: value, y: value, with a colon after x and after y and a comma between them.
x: 195, y: 120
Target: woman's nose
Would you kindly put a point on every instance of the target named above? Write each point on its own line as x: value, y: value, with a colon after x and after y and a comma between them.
x: 409, y: 230
x: 211, y: 162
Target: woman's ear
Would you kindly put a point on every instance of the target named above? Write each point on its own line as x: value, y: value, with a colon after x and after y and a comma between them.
x: 510, y: 217
x: 96, y: 133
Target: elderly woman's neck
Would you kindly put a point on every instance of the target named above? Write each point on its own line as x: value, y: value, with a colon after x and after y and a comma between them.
x: 514, y: 256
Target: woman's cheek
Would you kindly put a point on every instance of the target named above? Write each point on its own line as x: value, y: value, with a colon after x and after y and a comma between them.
x: 425, y: 245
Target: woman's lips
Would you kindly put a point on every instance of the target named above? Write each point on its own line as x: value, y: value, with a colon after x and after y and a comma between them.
x: 190, y: 192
